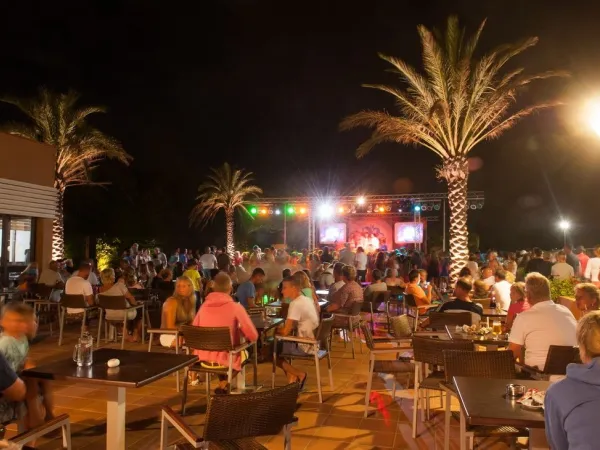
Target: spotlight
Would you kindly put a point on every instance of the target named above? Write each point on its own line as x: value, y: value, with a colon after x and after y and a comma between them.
x: 263, y: 211
x: 564, y: 225
x: 381, y: 209
x: 302, y: 210
x: 341, y: 210
x: 473, y: 206
x: 417, y: 208
x: 253, y: 210
x: 436, y: 206
x: 277, y: 212
x: 291, y: 210
x: 325, y: 210
x: 360, y: 200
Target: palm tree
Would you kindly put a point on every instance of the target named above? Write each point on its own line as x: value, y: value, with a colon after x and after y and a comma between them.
x: 458, y: 102
x: 57, y: 120
x: 225, y: 189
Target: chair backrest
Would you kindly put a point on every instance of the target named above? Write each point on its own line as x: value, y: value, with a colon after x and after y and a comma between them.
x: 113, y: 302
x: 356, y: 308
x: 379, y: 297
x: 400, y: 327
x: 73, y: 301
x: 438, y: 320
x: 368, y: 336
x: 323, y: 333
x: 395, y: 291
x: 410, y: 301
x: 559, y: 357
x: 41, y: 290
x: 430, y: 351
x: 140, y: 294
x: 261, y: 413
x: 470, y: 363
x: 484, y: 302
x: 216, y: 339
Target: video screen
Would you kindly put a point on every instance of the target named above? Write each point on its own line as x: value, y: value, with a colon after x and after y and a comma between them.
x: 332, y: 233
x: 408, y: 233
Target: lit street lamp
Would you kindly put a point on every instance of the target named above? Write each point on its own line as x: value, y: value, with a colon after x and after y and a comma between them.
x: 593, y: 115
x: 565, y: 225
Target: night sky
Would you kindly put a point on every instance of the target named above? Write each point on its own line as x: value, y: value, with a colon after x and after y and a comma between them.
x: 264, y: 84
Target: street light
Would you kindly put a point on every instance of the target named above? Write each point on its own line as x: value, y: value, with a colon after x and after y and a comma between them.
x: 564, y: 225
x: 593, y: 115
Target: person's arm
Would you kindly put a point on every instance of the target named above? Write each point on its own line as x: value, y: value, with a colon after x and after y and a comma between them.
x: 588, y: 270
x: 169, y: 314
x: 555, y: 431
x: 339, y: 299
x: 287, y: 328
x: 251, y: 299
x: 517, y: 338
x: 11, y: 386
x: 129, y: 297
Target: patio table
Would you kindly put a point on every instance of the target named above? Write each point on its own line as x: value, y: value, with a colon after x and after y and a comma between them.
x: 485, y: 340
x: 483, y: 402
x: 491, y: 312
x: 137, y: 369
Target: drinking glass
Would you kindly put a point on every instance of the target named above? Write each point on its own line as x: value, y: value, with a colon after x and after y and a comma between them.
x: 82, y: 355
x: 496, y: 328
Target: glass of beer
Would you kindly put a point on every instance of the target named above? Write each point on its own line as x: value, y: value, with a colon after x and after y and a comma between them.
x: 496, y: 328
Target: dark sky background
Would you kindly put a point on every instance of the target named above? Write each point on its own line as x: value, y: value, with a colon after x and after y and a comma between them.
x: 263, y: 84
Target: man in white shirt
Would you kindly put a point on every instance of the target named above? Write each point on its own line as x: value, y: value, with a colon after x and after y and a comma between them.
x: 92, y: 278
x: 51, y: 277
x: 160, y: 257
x: 326, y: 279
x: 562, y: 270
x: 542, y: 325
x: 360, y: 262
x: 208, y: 261
x: 79, y: 285
x: 302, y: 316
x: 347, y: 255
x: 487, y: 276
x: 338, y: 280
x: 501, y: 289
x: 378, y: 285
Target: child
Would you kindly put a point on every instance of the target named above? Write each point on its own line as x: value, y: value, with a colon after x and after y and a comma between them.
x: 18, y: 323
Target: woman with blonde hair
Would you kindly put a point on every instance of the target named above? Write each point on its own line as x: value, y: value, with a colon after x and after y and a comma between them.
x: 571, y: 405
x: 518, y: 304
x: 178, y: 309
x: 308, y: 290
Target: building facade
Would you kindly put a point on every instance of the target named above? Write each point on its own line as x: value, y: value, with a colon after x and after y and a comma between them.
x: 27, y: 205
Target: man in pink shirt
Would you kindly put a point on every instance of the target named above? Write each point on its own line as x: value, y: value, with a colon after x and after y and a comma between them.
x: 583, y: 259
x: 220, y: 310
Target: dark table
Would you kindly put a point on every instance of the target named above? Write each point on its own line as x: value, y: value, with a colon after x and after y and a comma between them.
x: 487, y: 339
x: 264, y: 325
x: 277, y: 304
x: 137, y: 369
x: 483, y: 403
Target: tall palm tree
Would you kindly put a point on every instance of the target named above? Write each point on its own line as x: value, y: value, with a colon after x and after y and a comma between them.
x: 57, y: 120
x: 459, y: 101
x: 225, y: 189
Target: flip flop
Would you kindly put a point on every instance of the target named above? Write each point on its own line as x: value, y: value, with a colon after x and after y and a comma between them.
x: 303, y: 381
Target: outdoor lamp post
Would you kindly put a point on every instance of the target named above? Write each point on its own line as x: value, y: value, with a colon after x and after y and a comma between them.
x: 564, y: 225
x: 593, y: 115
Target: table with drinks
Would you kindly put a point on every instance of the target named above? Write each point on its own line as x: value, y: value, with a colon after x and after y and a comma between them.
x: 117, y: 370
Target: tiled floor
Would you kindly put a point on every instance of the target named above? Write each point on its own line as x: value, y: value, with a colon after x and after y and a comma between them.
x: 338, y: 423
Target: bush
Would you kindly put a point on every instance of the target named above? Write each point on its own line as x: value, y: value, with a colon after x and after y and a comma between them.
x: 561, y: 288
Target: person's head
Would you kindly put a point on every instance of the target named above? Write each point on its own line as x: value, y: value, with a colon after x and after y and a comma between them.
x: 129, y: 278
x: 326, y: 250
x: 517, y: 292
x: 391, y: 273
x: 156, y: 250
x: 579, y: 250
x: 486, y: 272
x: 17, y: 318
x: 561, y: 257
x: 337, y: 271
x: 206, y: 250
x: 184, y: 287
x: 537, y: 252
x: 192, y: 264
x: 84, y: 270
x: 537, y: 288
x: 422, y: 275
x: 587, y: 297
x: 135, y: 246
x: 166, y: 275
x: 492, y: 256
x: 222, y: 283
x: 463, y: 288
x: 107, y: 276
x: 377, y: 275
x: 360, y: 250
x: 349, y: 273
x: 568, y: 249
x: 464, y: 272
x: 143, y: 269
x: 413, y: 276
x: 500, y: 275
x: 258, y: 275
x: 292, y: 286
x: 588, y: 336
x: 53, y: 265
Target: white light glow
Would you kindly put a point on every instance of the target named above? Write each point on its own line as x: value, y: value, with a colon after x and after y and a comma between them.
x: 360, y: 200
x: 325, y: 210
x: 564, y: 224
x: 593, y: 115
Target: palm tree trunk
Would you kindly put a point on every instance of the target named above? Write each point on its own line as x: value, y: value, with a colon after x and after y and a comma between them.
x: 229, y: 224
x: 58, y: 227
x: 456, y: 173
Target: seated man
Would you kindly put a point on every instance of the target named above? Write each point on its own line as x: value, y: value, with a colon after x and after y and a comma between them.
x: 79, y: 285
x: 302, y: 317
x: 501, y: 289
x: 338, y: 280
x: 378, y: 285
x: 12, y: 390
x: 422, y: 299
x: 51, y: 277
x: 544, y: 324
x: 487, y: 276
x: 246, y: 292
x: 462, y: 302
x: 350, y: 293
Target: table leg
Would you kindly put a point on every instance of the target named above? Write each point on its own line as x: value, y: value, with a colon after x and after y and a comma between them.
x: 115, y: 418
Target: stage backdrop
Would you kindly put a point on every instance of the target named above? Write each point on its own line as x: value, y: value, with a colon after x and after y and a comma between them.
x: 370, y: 233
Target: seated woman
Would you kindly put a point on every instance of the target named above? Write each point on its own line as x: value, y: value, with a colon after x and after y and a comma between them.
x: 303, y: 318
x: 109, y: 287
x: 308, y: 290
x: 518, y: 304
x: 391, y: 278
x: 220, y: 310
x: 571, y: 405
x: 179, y: 309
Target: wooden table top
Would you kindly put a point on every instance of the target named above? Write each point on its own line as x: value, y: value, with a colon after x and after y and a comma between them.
x: 484, y: 403
x: 491, y: 312
x: 137, y: 369
x: 486, y: 339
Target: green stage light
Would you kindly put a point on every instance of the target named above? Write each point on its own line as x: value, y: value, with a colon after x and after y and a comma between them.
x: 253, y: 210
x: 291, y: 210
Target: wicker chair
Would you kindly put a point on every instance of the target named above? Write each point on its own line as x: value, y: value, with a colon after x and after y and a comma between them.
x: 322, y: 349
x: 353, y: 315
x: 394, y: 367
x: 62, y: 422
x: 492, y: 364
x: 412, y: 310
x: 233, y: 421
x: 116, y: 303
x: 559, y: 357
x: 428, y: 353
x: 213, y: 339
x: 75, y: 302
x: 438, y: 320
x: 372, y: 304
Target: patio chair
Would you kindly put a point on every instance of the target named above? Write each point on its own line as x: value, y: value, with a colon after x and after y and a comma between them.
x: 484, y: 302
x: 175, y: 332
x: 116, y: 303
x: 466, y: 363
x: 396, y: 298
x: 61, y: 421
x: 214, y: 339
x: 42, y: 305
x: 559, y: 357
x: 233, y: 421
x: 428, y: 354
x: 74, y: 302
x: 372, y: 304
x: 412, y: 310
x: 438, y: 320
x: 321, y: 347
x: 394, y: 367
x: 353, y: 317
